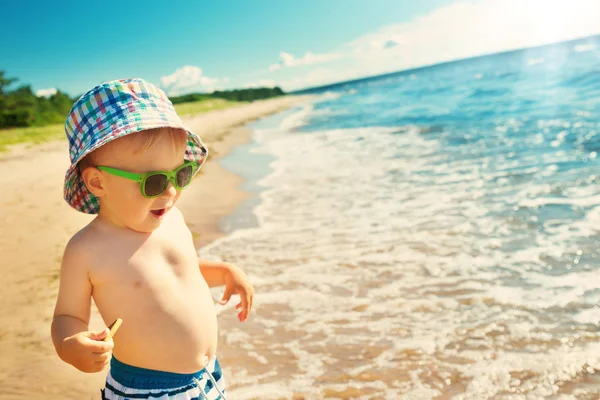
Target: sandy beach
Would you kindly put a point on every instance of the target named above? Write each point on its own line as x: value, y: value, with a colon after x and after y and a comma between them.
x: 37, y: 223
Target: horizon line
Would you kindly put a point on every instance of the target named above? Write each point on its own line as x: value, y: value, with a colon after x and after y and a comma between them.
x: 437, y: 64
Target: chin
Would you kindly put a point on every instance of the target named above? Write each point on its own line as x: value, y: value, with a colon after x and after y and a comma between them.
x: 148, y: 225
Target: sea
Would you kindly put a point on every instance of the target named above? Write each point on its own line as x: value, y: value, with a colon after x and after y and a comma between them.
x: 427, y: 234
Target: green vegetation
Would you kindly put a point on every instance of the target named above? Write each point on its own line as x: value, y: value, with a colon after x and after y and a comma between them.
x: 34, y: 135
x: 249, y: 94
x: 231, y: 95
x: 27, y: 118
x: 21, y: 107
x: 200, y: 106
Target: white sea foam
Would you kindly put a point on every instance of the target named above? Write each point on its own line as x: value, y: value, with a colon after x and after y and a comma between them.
x: 385, y: 268
x: 581, y: 48
x: 535, y: 61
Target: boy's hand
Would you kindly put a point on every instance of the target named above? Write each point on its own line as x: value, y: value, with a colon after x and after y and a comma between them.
x: 237, y: 282
x: 87, y: 351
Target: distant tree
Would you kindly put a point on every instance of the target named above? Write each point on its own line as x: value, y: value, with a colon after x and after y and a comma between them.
x: 4, y: 83
x: 61, y: 103
x: 21, y: 107
x: 231, y: 95
x: 249, y: 94
x: 186, y: 98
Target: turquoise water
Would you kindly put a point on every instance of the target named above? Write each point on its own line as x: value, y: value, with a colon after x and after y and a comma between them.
x: 429, y: 234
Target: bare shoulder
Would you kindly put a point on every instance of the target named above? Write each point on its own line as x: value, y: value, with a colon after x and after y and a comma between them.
x: 177, y: 213
x: 178, y: 217
x: 83, y: 247
x: 79, y: 246
x: 177, y: 222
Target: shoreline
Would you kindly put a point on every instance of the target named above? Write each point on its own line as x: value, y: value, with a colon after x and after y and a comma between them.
x: 205, y: 226
x: 37, y: 223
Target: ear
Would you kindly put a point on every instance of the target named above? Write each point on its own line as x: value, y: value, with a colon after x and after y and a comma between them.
x: 94, y: 180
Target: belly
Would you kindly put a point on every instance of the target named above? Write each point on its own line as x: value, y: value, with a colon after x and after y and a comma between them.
x: 170, y: 326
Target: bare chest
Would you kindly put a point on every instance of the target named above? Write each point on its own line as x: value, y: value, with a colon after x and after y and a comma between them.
x: 156, y: 262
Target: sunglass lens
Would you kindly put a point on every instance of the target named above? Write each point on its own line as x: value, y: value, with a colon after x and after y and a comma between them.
x: 155, y: 185
x: 184, y: 176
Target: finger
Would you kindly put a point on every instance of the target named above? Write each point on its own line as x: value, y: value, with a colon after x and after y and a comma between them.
x: 239, y: 310
x: 101, y: 347
x: 102, y: 363
x: 102, y: 357
x: 98, y: 335
x: 245, y: 302
x: 250, y: 300
x: 242, y: 316
x: 226, y: 295
x: 99, y: 366
x: 244, y: 313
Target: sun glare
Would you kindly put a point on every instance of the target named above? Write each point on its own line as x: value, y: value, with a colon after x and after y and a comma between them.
x: 555, y: 20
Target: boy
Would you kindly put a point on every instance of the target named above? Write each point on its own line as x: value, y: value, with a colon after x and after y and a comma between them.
x: 131, y: 156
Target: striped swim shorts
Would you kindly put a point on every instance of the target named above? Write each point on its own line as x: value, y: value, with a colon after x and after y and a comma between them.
x: 128, y: 382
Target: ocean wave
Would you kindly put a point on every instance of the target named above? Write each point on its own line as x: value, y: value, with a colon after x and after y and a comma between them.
x: 587, y: 201
x: 419, y: 244
x: 588, y: 79
x: 506, y: 75
x: 535, y: 61
x: 581, y: 48
x: 484, y: 93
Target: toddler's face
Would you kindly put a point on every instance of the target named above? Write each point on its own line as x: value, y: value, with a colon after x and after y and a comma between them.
x: 123, y: 203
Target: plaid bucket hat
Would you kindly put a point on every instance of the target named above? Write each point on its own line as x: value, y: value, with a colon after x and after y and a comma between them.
x: 112, y: 110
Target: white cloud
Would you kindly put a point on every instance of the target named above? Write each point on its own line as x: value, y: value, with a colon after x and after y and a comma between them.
x: 472, y: 28
x: 289, y: 60
x: 320, y: 76
x: 463, y: 29
x: 46, y: 92
x: 268, y: 83
x: 187, y: 79
x: 390, y: 43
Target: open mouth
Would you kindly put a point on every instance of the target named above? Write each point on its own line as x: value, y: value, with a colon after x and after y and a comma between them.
x: 159, y: 213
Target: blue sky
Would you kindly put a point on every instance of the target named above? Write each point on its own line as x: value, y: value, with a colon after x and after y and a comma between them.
x: 189, y: 46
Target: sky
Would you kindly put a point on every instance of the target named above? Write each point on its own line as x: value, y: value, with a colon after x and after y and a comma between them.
x: 201, y: 46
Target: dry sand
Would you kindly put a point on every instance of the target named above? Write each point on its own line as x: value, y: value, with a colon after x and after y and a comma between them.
x: 36, y: 223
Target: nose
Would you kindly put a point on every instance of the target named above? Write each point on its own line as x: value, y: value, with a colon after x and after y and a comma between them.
x: 170, y: 191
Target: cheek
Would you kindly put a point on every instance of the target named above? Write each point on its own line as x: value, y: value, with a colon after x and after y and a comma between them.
x: 126, y: 195
x: 177, y: 196
x: 119, y: 188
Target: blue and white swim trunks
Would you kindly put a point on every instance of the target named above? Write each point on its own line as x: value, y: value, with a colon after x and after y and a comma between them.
x: 128, y: 382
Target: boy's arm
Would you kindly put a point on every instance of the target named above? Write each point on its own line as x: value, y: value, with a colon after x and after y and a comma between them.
x: 235, y: 280
x: 74, y: 301
x: 213, y: 272
x: 72, y: 341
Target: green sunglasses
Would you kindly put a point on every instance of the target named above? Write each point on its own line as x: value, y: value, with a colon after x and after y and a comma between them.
x: 153, y: 184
